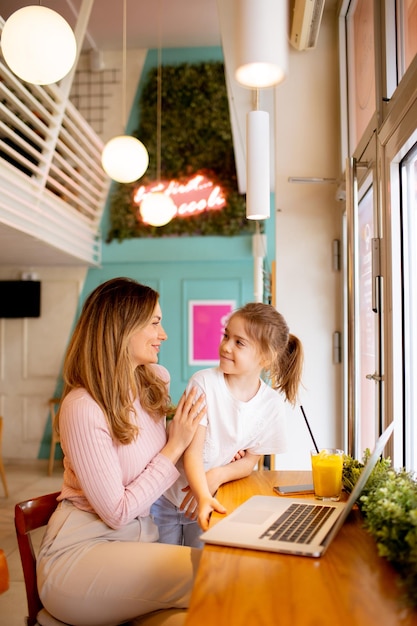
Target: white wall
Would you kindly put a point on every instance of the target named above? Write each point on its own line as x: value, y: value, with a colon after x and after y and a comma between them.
x: 308, y: 219
x: 31, y: 352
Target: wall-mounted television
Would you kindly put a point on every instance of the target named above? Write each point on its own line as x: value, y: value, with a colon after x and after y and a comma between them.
x: 20, y: 298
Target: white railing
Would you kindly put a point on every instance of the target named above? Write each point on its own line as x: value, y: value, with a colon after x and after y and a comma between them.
x: 52, y: 185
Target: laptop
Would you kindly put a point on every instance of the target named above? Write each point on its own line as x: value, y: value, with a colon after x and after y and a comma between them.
x: 262, y: 522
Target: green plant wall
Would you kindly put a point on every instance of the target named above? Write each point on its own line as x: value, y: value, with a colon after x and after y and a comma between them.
x: 196, y: 137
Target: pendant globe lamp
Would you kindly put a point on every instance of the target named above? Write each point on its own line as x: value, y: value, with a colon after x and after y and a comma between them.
x: 261, y: 42
x: 157, y: 208
x: 38, y: 45
x: 124, y: 157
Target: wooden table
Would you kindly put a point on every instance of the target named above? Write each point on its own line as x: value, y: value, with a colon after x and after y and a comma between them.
x: 349, y: 586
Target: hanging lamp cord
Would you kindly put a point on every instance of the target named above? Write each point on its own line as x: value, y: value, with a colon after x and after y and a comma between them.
x: 159, y: 100
x: 124, y: 58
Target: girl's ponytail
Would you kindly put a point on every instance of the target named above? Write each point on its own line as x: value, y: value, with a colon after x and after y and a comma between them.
x: 287, y: 375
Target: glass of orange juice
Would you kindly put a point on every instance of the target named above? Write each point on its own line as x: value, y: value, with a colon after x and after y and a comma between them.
x: 327, y: 467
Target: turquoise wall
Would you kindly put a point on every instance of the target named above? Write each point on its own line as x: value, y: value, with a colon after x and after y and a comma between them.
x: 179, y: 268
x: 188, y: 273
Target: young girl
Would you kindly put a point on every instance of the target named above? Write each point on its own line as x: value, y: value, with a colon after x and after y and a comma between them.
x: 244, y: 413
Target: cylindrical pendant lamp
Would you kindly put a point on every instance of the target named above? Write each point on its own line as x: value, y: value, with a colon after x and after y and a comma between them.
x: 38, y: 45
x: 261, y: 42
x: 258, y: 192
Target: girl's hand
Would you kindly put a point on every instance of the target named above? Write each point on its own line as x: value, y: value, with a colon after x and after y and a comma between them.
x: 239, y: 455
x: 205, y: 509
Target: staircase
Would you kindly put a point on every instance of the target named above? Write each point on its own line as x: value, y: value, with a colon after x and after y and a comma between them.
x: 52, y: 185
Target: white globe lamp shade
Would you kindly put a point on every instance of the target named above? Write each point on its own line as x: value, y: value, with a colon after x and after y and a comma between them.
x: 125, y: 158
x: 157, y: 209
x: 38, y: 45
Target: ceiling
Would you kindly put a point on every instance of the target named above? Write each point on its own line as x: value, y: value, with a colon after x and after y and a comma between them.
x: 178, y: 23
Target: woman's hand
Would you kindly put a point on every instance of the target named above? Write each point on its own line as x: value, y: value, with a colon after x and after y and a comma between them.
x: 189, y: 504
x: 190, y: 411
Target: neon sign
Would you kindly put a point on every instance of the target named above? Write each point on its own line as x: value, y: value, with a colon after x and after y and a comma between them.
x: 191, y: 196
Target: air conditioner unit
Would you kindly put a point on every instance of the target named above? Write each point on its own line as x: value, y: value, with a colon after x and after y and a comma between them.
x: 306, y: 22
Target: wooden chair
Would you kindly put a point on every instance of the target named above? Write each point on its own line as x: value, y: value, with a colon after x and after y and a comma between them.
x: 261, y: 462
x: 29, y: 516
x: 53, y: 403
x: 2, y: 470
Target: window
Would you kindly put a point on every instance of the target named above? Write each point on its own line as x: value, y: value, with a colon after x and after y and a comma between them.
x: 406, y: 33
x: 361, y: 68
x: 409, y: 235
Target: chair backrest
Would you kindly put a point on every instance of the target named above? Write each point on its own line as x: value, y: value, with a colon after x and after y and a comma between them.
x: 53, y: 406
x: 30, y: 515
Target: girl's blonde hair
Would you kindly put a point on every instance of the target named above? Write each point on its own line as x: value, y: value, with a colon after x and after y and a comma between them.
x: 97, y: 357
x: 281, y: 351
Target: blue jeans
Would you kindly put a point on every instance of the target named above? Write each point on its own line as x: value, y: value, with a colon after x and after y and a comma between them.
x: 173, y: 525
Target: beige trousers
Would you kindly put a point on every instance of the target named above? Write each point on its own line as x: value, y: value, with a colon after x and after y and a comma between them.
x: 91, y: 575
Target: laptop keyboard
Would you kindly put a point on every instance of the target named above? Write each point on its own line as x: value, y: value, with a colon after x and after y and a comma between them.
x: 299, y: 523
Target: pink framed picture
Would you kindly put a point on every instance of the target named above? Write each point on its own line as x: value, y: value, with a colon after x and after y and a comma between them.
x: 206, y: 323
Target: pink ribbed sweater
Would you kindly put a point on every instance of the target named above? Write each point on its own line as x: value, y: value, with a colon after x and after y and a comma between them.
x: 118, y: 482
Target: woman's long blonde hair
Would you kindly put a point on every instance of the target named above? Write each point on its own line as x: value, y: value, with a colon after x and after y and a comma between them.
x: 282, y: 351
x: 97, y: 357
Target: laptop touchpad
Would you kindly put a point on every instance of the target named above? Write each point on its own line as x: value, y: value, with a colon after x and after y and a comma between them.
x: 251, y: 517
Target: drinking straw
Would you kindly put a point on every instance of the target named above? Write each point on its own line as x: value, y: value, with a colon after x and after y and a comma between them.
x: 309, y: 429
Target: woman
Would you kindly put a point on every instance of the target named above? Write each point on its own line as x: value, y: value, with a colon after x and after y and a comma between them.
x: 100, y: 563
